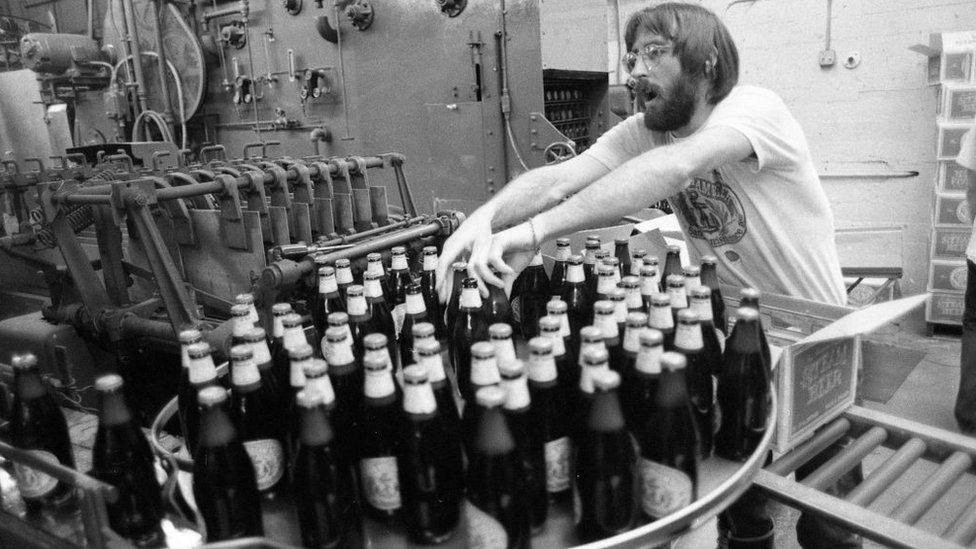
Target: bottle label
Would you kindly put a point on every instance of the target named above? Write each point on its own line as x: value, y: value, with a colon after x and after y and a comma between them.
x: 665, y: 489
x: 517, y: 309
x: 399, y: 313
x: 33, y: 483
x: 484, y: 530
x: 380, y: 482
x: 268, y: 458
x: 557, y: 464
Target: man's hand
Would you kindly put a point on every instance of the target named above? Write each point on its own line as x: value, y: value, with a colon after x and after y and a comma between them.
x: 473, y: 233
x: 509, y: 252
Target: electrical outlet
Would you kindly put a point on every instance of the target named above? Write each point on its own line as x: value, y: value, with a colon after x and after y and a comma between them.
x: 827, y: 58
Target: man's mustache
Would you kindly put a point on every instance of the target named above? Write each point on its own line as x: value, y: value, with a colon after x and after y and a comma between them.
x: 643, y: 87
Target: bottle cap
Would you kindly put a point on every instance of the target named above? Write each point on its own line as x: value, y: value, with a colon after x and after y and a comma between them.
x: 672, y: 361
x: 240, y: 310
x: 241, y: 352
x: 415, y: 375
x: 309, y: 398
x: 255, y: 335
x: 469, y: 283
x: 687, y: 316
x: 709, y: 260
x: 499, y: 330
x: 281, y: 309
x: 482, y: 349
x: 398, y: 250
x: 611, y: 261
x: 691, y: 271
x: 604, y: 270
x: 593, y: 241
x: 342, y: 263
x: 374, y: 363
x: 605, y: 380
x: 549, y: 324
x: 354, y: 290
x: 374, y: 342
x: 701, y: 292
x: 676, y: 281
x: 603, y: 307
x: 326, y: 271
x: 371, y: 276
x: 190, y: 336
x: 300, y: 352
x: 556, y: 307
x: 338, y: 318
x: 315, y: 368
x: 629, y: 281
x: 430, y: 250
x: 636, y: 319
x: 108, y: 382
x: 490, y: 397
x: 24, y: 361
x: 621, y: 241
x: 413, y: 288
x: 747, y: 314
x: 751, y: 295
x: 591, y: 334
x: 513, y: 369
x: 540, y: 346
x: 651, y: 338
x: 660, y: 300
x: 459, y: 266
x: 292, y: 320
x: 674, y: 249
x: 617, y: 294
x: 374, y: 256
x: 244, y: 299
x: 576, y: 259
x: 648, y: 270
x: 427, y: 347
x: 595, y: 356
x: 198, y: 350
x: 320, y: 259
x: 422, y: 330
x: 335, y: 334
x: 651, y: 260
x: 212, y: 395
x: 639, y: 253
x: 562, y: 242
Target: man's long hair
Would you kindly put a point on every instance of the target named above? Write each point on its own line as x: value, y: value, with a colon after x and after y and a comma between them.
x: 695, y: 33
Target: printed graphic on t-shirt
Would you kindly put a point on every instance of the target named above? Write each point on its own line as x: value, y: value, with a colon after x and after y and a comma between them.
x: 712, y: 211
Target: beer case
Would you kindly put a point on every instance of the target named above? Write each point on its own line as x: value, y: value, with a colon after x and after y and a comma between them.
x: 947, y: 276
x: 951, y: 210
x: 953, y: 178
x: 950, y: 243
x: 945, y: 308
x: 950, y: 139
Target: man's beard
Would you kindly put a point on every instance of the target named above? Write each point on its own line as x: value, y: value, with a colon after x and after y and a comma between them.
x: 675, y: 109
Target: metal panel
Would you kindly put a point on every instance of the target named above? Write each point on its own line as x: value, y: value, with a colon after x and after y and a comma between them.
x: 455, y: 146
x: 566, y: 24
x: 215, y: 268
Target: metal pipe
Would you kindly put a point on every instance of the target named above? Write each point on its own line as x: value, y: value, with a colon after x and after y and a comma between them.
x: 803, y: 453
x: 136, y: 326
x: 963, y: 529
x: 889, y: 471
x: 846, y: 459
x: 133, y: 36
x: 161, y: 63
x: 342, y: 75
x: 939, y: 443
x: 58, y: 471
x: 932, y: 488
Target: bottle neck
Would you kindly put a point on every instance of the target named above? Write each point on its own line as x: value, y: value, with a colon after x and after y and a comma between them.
x: 649, y: 359
x: 688, y: 337
x: 296, y: 373
x: 661, y: 318
x: 435, y: 368
x: 244, y: 372
x: 372, y: 288
x: 323, y: 385
x: 516, y: 393
x: 375, y: 267
x: 383, y: 353
x: 564, y: 325
x: 649, y: 285
x: 605, y: 283
x: 542, y: 368
x: 587, y: 346
x: 494, y: 438
x: 262, y: 355
x: 202, y: 370
x: 620, y: 311
x: 356, y: 305
x: 418, y: 399
x: 562, y: 253
x: 216, y: 428
x: 252, y: 315
x: 589, y: 255
x: 607, y: 324
x: 634, y: 298
x: 30, y: 386
x: 746, y: 338
x: 242, y: 325
x: 673, y: 389
x: 586, y: 376
x: 293, y: 337
x: 340, y: 354
x: 558, y: 344
x: 316, y: 430
x: 702, y: 308
x: 378, y: 384
x: 343, y: 276
x: 430, y: 262
x: 678, y: 296
x: 692, y: 282
x: 470, y: 298
x: 504, y: 350
x: 605, y: 414
x: 632, y: 338
x: 636, y: 263
x: 398, y: 262
x: 277, y: 327
x: 536, y: 260
x: 484, y: 371
x: 415, y: 304
x: 114, y: 410
x: 185, y: 355
x: 709, y: 276
x: 574, y: 274
x: 328, y: 284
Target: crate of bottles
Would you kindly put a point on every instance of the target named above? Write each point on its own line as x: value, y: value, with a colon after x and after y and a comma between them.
x: 950, y: 243
x: 947, y: 276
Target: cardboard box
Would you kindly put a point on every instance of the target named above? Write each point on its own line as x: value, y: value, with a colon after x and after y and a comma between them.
x: 953, y: 178
x: 950, y: 56
x: 960, y: 103
x: 950, y: 140
x: 951, y: 210
x: 950, y: 243
x: 947, y: 276
x: 945, y: 308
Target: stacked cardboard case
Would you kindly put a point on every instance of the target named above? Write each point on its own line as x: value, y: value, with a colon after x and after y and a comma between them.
x: 952, y: 71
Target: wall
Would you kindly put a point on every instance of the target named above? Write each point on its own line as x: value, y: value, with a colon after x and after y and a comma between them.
x: 876, y: 118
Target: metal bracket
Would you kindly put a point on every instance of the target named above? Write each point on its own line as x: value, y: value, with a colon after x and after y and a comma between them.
x: 303, y: 214
x: 342, y: 198
x: 205, y: 153
x: 323, y: 201
x: 231, y: 216
x: 257, y: 200
x: 396, y: 160
x: 362, y: 209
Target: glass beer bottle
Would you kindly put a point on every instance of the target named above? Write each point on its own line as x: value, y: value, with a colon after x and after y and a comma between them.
x: 254, y: 410
x: 743, y: 391
x: 549, y: 422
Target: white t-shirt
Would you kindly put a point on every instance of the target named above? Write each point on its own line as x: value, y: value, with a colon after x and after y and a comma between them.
x: 967, y: 159
x: 766, y: 218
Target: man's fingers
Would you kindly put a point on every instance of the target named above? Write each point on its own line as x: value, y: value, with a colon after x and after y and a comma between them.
x: 499, y: 264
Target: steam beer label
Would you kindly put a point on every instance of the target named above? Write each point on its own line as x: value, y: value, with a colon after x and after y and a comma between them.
x: 33, y: 483
x: 268, y: 458
x: 484, y: 530
x: 517, y: 309
x: 380, y: 482
x: 665, y: 489
x: 399, y: 313
x: 557, y: 464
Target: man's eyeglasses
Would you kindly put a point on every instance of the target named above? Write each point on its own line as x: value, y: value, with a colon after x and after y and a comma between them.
x: 650, y: 53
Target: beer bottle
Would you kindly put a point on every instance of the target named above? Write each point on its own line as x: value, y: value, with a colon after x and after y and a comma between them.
x: 568, y: 369
x: 360, y: 319
x: 709, y: 277
x: 548, y: 410
x: 677, y: 294
x: 652, y: 261
x: 672, y: 266
x: 258, y: 343
x: 595, y: 360
x: 692, y: 274
x: 374, y: 267
x: 712, y: 339
x: 497, y: 308
x: 429, y: 356
x: 460, y: 272
x: 224, y: 483
x: 202, y: 373
x: 340, y: 320
x: 639, y: 388
x: 579, y: 305
x: 604, y: 280
x: 528, y: 444
x: 606, y: 467
x: 621, y: 250
x: 299, y: 356
x: 421, y: 332
x: 248, y: 300
x: 614, y: 265
x: 428, y: 287
x: 279, y: 351
x: 650, y: 284
x: 121, y: 457
x: 588, y: 261
x: 399, y: 281
x: 344, y: 277
x: 743, y: 391
x: 604, y: 320
x: 469, y: 328
x: 484, y: 372
x: 668, y: 464
x: 529, y: 296
x: 379, y: 310
x: 496, y: 483
x: 379, y: 427
x: 327, y: 299
x: 636, y: 326
x: 416, y: 312
x: 324, y: 494
x: 637, y: 262
x: 377, y: 346
x: 590, y: 338
x: 347, y: 382
x: 38, y: 426
x: 701, y: 389
x: 241, y: 323
x: 254, y: 412
x: 563, y: 251
x: 317, y: 378
x: 618, y: 297
x: 632, y: 288
x: 557, y: 308
x: 500, y: 336
x: 429, y: 464
x: 749, y: 297
x: 660, y: 318
x: 186, y: 394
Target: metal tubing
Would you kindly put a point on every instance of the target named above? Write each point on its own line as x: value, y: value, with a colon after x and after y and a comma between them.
x: 161, y: 62
x: 90, y: 288
x: 58, y: 471
x: 932, y: 488
x: 803, y: 453
x: 963, y: 529
x: 846, y: 459
x: 133, y: 37
x: 136, y: 326
x: 939, y: 443
x: 889, y: 471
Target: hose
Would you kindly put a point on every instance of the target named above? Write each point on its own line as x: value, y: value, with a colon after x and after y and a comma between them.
x: 156, y: 115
